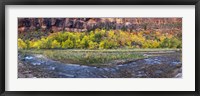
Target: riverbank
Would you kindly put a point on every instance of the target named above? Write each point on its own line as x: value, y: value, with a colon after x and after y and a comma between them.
x: 151, y: 64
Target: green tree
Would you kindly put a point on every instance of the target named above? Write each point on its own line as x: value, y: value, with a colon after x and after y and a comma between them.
x: 175, y: 43
x: 165, y: 43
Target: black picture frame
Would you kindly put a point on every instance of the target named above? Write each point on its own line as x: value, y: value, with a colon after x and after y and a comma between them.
x: 3, y: 3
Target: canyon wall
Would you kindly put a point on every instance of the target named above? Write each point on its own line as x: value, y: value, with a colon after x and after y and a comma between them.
x: 89, y: 24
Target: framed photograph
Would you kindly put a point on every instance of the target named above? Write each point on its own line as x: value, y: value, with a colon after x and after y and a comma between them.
x: 108, y: 47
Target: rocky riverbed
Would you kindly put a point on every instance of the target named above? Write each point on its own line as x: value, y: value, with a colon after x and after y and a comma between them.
x: 157, y: 65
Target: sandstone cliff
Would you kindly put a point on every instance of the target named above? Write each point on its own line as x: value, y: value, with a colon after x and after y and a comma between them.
x: 89, y: 24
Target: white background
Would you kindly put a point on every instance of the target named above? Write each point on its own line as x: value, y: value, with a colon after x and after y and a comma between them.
x: 186, y: 83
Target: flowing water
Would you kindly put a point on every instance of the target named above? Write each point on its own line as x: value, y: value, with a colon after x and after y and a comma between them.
x: 156, y: 66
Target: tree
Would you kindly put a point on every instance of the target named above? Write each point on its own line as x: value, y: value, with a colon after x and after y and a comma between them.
x: 68, y: 44
x: 78, y: 43
x: 93, y: 45
x: 55, y: 44
x: 21, y: 44
x: 84, y: 42
x: 46, y: 43
x: 165, y: 43
x: 103, y: 40
x: 175, y: 43
x: 102, y: 45
x: 37, y: 44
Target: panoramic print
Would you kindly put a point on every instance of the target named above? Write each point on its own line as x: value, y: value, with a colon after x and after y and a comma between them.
x: 100, y: 47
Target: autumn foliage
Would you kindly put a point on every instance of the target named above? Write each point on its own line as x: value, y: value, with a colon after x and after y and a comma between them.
x: 103, y: 39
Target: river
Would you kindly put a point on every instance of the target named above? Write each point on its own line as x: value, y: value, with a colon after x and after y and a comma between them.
x: 168, y: 65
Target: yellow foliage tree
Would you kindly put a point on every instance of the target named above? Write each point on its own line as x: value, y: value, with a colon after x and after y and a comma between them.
x: 102, y: 45
x: 68, y: 44
x: 55, y: 44
x: 21, y: 44
x: 37, y: 44
x: 93, y: 45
